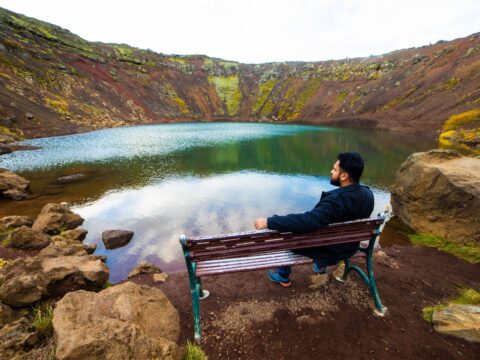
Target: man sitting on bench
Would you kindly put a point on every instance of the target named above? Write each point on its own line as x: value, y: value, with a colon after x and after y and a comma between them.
x: 351, y: 201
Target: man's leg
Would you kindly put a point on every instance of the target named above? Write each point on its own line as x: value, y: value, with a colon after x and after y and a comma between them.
x: 320, y: 265
x: 280, y: 276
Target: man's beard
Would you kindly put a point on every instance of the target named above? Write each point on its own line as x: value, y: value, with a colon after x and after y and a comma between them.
x: 335, y: 182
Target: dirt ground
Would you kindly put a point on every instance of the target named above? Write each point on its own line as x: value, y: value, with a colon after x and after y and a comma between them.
x: 247, y: 317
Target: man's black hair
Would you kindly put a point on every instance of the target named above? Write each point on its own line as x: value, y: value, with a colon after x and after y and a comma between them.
x: 351, y: 163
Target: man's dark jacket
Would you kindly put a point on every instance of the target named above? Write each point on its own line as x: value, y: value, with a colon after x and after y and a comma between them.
x: 346, y: 203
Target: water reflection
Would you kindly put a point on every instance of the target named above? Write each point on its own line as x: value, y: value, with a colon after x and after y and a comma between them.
x: 159, y: 213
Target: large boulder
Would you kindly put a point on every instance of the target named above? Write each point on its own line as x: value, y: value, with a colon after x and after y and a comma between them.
x: 127, y: 321
x: 26, y: 238
x: 459, y: 320
x: 55, y: 218
x: 13, y: 186
x: 54, y: 271
x: 438, y: 192
x: 113, y: 239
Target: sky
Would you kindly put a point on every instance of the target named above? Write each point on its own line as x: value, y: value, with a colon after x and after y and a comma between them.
x: 258, y: 31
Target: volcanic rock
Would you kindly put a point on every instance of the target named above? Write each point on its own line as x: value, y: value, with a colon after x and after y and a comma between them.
x: 13, y: 186
x: 54, y: 218
x: 126, y: 321
x: 17, y: 337
x: 113, y: 239
x: 144, y: 267
x: 77, y: 234
x: 26, y: 238
x: 438, y: 192
x: 71, y: 178
x: 459, y: 320
x: 54, y: 271
x: 4, y: 149
x: 7, y: 315
x: 16, y: 221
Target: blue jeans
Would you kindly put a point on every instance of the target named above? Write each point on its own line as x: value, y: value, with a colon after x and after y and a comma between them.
x: 285, y: 271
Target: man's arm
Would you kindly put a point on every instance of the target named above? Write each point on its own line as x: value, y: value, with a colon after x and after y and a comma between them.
x: 327, y: 212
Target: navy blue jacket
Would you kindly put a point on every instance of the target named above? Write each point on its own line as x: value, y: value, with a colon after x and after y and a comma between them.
x: 346, y: 203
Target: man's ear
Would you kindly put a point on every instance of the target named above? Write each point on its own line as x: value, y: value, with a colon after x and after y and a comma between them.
x: 344, y: 176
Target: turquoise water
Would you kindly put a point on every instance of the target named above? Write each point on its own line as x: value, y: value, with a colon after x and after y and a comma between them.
x: 205, y: 178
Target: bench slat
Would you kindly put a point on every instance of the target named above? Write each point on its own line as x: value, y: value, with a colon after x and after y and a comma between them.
x: 259, y: 233
x: 279, y: 237
x: 268, y: 257
x: 289, y: 244
x: 237, y: 265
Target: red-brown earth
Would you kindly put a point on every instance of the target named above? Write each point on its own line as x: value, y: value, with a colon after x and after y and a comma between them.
x: 247, y: 317
x: 53, y: 82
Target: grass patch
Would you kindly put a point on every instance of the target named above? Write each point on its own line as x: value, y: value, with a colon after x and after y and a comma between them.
x: 3, y: 262
x: 194, y: 352
x: 466, y: 251
x: 467, y: 296
x: 42, y: 319
x: 106, y: 284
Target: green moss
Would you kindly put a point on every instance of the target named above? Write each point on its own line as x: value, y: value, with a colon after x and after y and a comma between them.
x: 308, y: 92
x: 464, y: 118
x: 3, y: 262
x: 194, y: 352
x: 467, y: 296
x: 59, y: 106
x: 171, y: 94
x: 228, y: 91
x: 264, y: 89
x: 106, y: 285
x: 466, y: 251
x: 450, y: 83
x: 399, y: 100
x: 342, y: 95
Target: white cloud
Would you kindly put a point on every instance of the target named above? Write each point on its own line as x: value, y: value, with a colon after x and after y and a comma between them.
x: 261, y: 31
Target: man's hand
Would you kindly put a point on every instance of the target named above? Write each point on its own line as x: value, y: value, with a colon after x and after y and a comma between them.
x: 261, y: 223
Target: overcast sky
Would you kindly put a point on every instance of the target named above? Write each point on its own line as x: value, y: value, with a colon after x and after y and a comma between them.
x: 255, y: 31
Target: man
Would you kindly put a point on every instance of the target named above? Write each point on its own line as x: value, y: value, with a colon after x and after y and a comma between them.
x: 351, y: 201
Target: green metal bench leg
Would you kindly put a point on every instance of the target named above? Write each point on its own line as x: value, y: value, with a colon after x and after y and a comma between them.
x: 195, y: 289
x: 380, y: 308
x: 369, y: 280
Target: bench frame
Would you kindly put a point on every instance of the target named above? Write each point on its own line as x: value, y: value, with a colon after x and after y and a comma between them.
x: 198, y: 293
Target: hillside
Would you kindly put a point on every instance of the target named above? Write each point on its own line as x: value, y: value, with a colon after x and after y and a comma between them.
x: 53, y: 82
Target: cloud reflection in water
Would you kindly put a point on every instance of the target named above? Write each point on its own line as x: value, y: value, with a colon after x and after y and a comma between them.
x: 160, y: 212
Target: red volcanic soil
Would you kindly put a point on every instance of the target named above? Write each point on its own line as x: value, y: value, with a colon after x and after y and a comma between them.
x: 247, y: 317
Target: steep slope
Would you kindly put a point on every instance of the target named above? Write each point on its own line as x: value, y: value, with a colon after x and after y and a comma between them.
x: 54, y: 82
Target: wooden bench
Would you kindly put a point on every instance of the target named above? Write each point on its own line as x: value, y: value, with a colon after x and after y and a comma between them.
x: 265, y: 249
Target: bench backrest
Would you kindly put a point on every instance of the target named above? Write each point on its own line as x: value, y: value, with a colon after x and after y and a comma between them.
x: 255, y: 242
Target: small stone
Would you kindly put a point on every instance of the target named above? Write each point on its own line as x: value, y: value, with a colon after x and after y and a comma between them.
x: 144, y: 267
x: 77, y: 234
x: 113, y: 239
x: 29, y: 116
x: 318, y: 281
x: 162, y: 277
